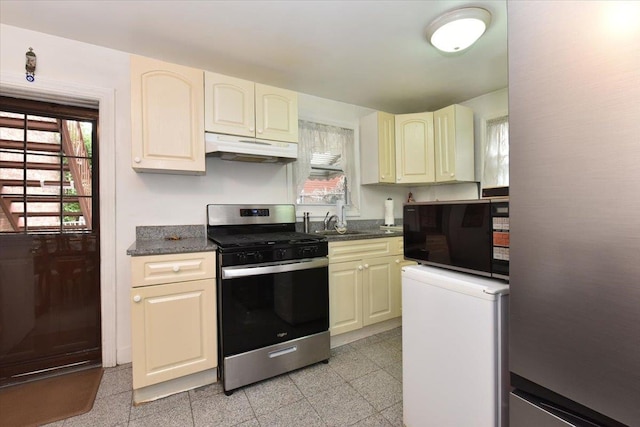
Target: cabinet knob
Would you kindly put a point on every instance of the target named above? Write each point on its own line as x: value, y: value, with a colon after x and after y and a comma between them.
x: 137, y: 159
x: 252, y: 129
x: 382, y: 176
x: 360, y: 267
x: 137, y: 298
x: 452, y: 175
x: 366, y: 266
x: 260, y: 130
x: 176, y: 268
x: 397, y: 261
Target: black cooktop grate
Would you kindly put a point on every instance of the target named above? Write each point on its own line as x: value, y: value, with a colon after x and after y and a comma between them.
x: 262, y: 239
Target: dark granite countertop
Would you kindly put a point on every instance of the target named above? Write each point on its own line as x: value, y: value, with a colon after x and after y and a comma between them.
x: 362, y: 234
x: 173, y: 239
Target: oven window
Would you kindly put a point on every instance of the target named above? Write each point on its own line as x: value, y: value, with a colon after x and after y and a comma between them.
x: 259, y: 311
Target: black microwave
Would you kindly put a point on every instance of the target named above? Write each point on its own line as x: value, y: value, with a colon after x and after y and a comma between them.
x: 469, y: 235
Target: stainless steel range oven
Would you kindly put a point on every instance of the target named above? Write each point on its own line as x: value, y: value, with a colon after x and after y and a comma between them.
x: 273, y: 293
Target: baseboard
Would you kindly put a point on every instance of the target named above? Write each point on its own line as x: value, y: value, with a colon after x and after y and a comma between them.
x: 348, y: 337
x: 123, y: 355
x: 178, y: 385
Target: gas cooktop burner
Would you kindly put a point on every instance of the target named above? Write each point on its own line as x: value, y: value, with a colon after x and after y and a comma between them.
x: 250, y: 234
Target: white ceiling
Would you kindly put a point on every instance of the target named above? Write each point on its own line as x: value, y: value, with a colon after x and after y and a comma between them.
x: 368, y: 53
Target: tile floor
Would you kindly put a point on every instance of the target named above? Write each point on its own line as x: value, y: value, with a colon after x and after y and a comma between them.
x: 360, y: 386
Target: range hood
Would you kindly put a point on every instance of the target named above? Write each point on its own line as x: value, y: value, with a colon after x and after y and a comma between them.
x: 246, y: 149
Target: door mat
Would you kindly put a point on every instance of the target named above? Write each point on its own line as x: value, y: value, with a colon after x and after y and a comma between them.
x: 48, y: 400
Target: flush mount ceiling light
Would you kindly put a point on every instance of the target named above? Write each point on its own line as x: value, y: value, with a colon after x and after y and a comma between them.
x: 457, y: 30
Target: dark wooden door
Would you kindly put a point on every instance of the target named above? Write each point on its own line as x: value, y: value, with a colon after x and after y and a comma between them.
x: 49, y: 240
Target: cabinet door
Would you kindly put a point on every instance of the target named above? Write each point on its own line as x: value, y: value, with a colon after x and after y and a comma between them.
x: 414, y: 148
x: 454, y: 148
x: 378, y: 148
x: 229, y: 105
x: 167, y: 108
x: 378, y: 293
x: 345, y: 297
x: 396, y: 285
x: 387, y: 147
x: 173, y: 331
x: 276, y: 114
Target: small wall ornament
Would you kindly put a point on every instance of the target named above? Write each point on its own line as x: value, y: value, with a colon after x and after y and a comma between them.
x: 30, y: 65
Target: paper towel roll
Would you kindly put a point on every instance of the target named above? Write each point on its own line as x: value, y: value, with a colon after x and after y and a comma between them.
x: 388, y: 212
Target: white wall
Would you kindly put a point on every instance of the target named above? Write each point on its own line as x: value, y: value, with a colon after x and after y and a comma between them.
x: 486, y: 107
x: 158, y: 199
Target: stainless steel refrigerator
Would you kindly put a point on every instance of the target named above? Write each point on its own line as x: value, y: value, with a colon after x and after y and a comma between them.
x: 574, y: 123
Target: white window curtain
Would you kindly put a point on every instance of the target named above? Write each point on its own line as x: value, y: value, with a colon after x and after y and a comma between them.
x: 324, y: 152
x: 496, y: 155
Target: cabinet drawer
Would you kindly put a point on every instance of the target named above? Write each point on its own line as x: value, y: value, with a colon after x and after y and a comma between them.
x: 158, y: 269
x: 357, y: 249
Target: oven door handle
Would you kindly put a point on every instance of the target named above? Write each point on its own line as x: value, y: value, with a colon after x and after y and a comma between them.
x: 262, y: 269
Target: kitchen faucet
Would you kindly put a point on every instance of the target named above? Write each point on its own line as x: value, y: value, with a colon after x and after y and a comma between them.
x: 327, y: 220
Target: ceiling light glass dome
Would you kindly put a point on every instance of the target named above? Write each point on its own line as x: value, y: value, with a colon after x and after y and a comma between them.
x: 457, y: 30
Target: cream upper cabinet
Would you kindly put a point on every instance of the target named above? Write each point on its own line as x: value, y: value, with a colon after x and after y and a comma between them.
x: 378, y: 148
x: 241, y: 107
x: 454, y: 147
x: 229, y: 105
x: 414, y: 148
x: 276, y: 113
x: 173, y: 315
x: 364, y: 282
x: 167, y: 110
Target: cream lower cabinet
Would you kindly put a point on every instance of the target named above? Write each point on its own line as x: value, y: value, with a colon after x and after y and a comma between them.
x: 173, y: 315
x: 167, y: 117
x: 399, y: 262
x: 345, y: 296
x: 379, y: 297
x: 364, y: 282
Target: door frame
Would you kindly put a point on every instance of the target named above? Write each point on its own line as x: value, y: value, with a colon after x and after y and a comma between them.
x: 13, y: 84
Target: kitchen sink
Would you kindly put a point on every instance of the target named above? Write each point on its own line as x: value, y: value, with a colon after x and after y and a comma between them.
x: 336, y: 233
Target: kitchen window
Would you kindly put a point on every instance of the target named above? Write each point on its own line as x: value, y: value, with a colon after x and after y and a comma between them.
x: 324, y: 172
x: 496, y: 154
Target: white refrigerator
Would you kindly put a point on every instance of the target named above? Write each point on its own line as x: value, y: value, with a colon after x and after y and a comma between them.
x: 454, y: 349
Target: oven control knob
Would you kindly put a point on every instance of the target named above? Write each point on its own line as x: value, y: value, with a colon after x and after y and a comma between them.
x: 252, y: 256
x: 242, y: 257
x: 281, y: 253
x: 310, y: 250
